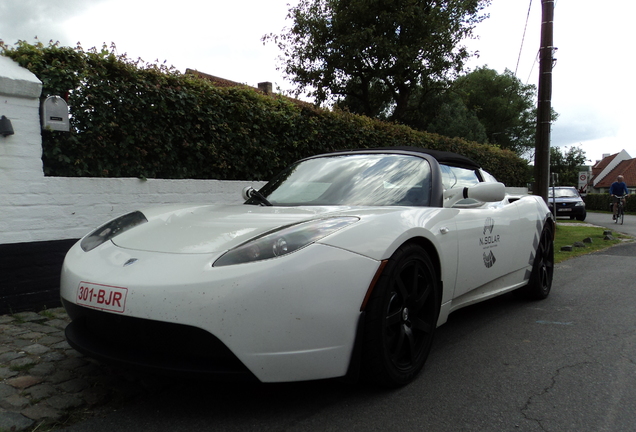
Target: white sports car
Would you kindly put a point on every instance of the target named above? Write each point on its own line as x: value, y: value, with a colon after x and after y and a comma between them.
x: 341, y: 266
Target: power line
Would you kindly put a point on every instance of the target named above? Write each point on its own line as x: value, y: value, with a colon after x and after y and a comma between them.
x: 523, y: 38
x: 534, y: 63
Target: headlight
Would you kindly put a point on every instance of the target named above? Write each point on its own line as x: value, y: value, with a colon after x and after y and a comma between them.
x: 111, y: 229
x: 580, y: 203
x: 283, y: 241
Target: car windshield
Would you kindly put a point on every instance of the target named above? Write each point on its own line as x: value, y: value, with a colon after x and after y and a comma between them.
x: 352, y: 180
x: 563, y: 193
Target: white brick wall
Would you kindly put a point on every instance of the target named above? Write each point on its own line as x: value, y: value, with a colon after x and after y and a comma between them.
x: 38, y: 208
x: 56, y: 208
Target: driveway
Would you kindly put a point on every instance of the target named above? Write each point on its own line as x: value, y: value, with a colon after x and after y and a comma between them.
x: 567, y: 363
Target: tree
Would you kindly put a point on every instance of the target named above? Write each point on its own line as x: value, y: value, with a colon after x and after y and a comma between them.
x: 567, y: 162
x: 482, y: 106
x: 452, y: 118
x: 504, y: 106
x: 372, y: 55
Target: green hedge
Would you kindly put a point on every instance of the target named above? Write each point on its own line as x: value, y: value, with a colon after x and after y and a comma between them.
x: 601, y: 202
x: 131, y: 119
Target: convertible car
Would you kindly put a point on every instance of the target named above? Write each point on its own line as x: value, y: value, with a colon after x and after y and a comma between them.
x: 343, y: 265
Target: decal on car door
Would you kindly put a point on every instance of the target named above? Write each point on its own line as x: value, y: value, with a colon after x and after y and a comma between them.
x: 489, y: 241
x: 487, y: 248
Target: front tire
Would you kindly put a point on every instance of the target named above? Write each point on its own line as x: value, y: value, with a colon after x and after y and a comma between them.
x: 401, y: 318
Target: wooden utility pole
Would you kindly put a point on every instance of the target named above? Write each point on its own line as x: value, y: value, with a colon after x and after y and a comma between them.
x: 544, y: 107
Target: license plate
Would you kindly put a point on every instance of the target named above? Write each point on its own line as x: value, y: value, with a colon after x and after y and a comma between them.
x: 104, y: 297
x: 565, y: 209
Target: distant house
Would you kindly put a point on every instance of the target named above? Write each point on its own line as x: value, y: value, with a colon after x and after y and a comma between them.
x: 605, y: 171
x: 265, y: 87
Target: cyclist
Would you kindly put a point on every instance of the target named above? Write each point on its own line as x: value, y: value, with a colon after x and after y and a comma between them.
x: 618, y: 190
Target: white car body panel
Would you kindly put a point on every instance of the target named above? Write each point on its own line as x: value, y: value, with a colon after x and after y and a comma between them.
x: 310, y: 325
x: 210, y: 228
x: 311, y: 311
x: 296, y: 317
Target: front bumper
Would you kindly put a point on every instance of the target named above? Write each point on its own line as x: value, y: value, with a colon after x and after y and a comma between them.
x: 292, y: 318
x: 569, y: 210
x: 152, y: 346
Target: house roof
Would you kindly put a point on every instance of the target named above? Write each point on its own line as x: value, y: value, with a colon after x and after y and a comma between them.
x: 599, y: 166
x: 626, y: 168
x: 220, y: 82
x: 603, y: 171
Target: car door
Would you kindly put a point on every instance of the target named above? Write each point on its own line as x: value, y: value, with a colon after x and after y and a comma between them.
x: 487, y: 244
x: 485, y: 232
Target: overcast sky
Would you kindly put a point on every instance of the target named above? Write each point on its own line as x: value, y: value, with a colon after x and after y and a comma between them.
x: 592, y: 88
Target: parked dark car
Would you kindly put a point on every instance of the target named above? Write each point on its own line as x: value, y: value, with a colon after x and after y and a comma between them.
x: 568, y: 202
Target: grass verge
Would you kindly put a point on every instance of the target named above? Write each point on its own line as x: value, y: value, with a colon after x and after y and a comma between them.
x: 569, y: 234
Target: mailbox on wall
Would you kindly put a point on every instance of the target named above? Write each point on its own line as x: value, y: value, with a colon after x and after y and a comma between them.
x: 55, y: 114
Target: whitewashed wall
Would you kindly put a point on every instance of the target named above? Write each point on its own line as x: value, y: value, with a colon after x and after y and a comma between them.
x: 36, y: 208
x: 53, y: 208
x: 40, y: 217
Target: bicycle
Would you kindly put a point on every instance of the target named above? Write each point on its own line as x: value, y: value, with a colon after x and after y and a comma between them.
x: 620, y: 214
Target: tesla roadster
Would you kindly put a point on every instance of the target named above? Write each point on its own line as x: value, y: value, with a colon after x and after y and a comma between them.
x: 343, y: 265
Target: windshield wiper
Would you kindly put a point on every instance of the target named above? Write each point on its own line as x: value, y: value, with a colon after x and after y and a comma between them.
x: 261, y: 198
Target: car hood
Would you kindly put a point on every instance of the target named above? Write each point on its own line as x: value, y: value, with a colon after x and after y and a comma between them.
x: 214, y: 228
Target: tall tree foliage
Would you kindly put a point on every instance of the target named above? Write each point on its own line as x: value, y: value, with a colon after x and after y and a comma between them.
x: 504, y: 106
x: 483, y: 106
x: 566, y: 163
x: 375, y: 56
x: 444, y: 112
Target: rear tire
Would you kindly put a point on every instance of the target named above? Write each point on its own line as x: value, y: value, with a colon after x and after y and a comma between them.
x: 401, y: 318
x: 540, y: 282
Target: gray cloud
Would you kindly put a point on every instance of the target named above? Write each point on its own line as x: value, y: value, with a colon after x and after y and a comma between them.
x: 27, y: 19
x: 582, y: 124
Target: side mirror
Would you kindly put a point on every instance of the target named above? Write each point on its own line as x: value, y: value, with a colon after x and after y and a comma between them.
x: 484, y: 192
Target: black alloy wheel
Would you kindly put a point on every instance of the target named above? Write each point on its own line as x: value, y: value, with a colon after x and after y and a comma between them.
x: 401, y: 318
x: 540, y: 283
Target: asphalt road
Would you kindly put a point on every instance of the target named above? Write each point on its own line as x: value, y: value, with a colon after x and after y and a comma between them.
x: 567, y: 363
x: 605, y: 220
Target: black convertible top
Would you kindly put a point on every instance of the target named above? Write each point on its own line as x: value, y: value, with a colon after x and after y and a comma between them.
x: 444, y: 157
